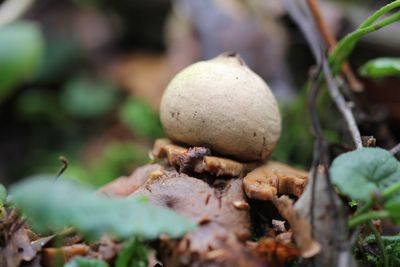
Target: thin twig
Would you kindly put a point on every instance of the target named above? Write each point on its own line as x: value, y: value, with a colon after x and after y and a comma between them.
x: 395, y: 149
x: 329, y: 38
x: 11, y: 10
x: 300, y: 17
x: 318, y: 145
x: 65, y: 163
x: 312, y: 104
x: 342, y: 105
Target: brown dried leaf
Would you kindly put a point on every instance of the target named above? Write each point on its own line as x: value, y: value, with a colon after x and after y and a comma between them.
x: 300, y: 227
x: 222, y: 226
x: 197, y: 160
x: 107, y: 248
x: 275, y: 252
x: 273, y: 178
x: 203, y: 203
x: 241, y: 205
x: 284, y: 238
x: 223, y: 167
x: 163, y: 148
x: 125, y: 186
x: 18, y: 249
x: 329, y: 222
x: 39, y: 243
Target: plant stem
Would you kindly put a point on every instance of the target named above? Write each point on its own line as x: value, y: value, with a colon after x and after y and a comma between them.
x: 395, y: 149
x: 364, y: 208
x: 13, y: 9
x: 380, y: 12
x: 341, y: 104
x: 388, y: 192
x: 355, y: 220
x: 346, y: 45
x: 380, y: 243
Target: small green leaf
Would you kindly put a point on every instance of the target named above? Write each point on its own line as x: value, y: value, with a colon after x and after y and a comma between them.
x: 141, y: 119
x: 21, y: 49
x: 3, y: 194
x: 36, y: 103
x: 117, y: 158
x: 373, y: 259
x: 85, y: 98
x: 353, y: 203
x: 55, y: 205
x: 86, y: 262
x: 132, y: 254
x: 62, y: 55
x: 392, y: 245
x: 381, y: 67
x: 360, y: 173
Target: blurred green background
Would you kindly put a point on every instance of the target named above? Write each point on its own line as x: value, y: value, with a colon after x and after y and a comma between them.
x: 83, y: 79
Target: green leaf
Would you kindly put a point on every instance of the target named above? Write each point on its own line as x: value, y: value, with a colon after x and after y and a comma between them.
x: 85, y: 98
x: 36, y: 103
x: 353, y: 203
x: 393, y: 206
x: 62, y: 55
x: 381, y: 67
x: 359, y: 173
x: 141, y: 119
x: 3, y: 194
x: 50, y: 204
x: 392, y: 245
x: 132, y: 254
x: 86, y: 262
x: 21, y: 48
x: 116, y: 159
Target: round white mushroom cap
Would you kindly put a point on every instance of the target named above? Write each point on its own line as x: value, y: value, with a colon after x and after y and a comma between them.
x: 223, y: 105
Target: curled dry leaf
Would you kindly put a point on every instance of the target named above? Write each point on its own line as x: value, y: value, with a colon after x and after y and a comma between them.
x: 300, y: 227
x: 275, y: 253
x: 198, y: 160
x: 241, y: 205
x: 278, y: 226
x: 324, y: 208
x: 273, y: 178
x: 39, y: 243
x: 18, y: 243
x: 17, y: 250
